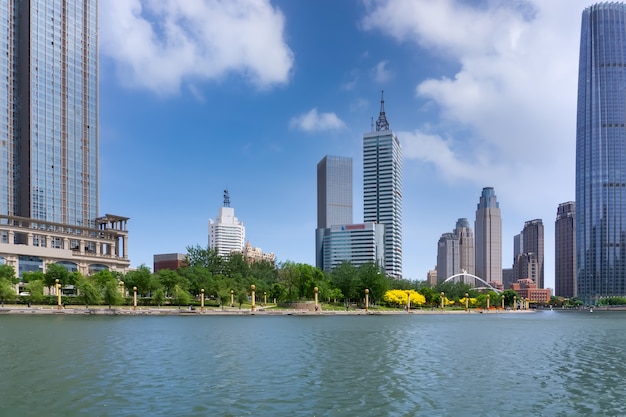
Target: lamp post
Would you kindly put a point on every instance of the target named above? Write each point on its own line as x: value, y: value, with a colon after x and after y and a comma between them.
x: 122, y: 288
x: 408, y: 302
x: 316, y: 291
x: 443, y: 296
x: 232, y: 298
x: 264, y: 298
x: 202, y: 300
x: 515, y: 302
x: 252, y: 290
x: 58, y: 287
x: 488, y: 298
x: 134, y: 298
x: 502, y: 301
x: 367, y: 300
x: 466, y: 302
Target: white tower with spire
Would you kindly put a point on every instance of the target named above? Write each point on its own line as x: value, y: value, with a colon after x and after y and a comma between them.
x: 226, y: 233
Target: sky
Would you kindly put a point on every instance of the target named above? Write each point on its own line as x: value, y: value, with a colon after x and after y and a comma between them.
x: 198, y: 96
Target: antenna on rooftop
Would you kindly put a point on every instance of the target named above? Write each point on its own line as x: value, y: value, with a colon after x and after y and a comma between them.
x: 382, y: 123
x: 372, y: 124
x: 226, y: 198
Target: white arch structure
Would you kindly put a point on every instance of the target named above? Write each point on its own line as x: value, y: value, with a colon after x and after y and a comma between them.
x: 487, y: 285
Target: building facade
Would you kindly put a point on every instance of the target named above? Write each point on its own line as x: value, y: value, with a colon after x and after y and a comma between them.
x: 565, y: 251
x: 334, y: 199
x: 382, y: 189
x: 600, y: 154
x: 171, y: 261
x: 533, y: 242
x: 354, y: 243
x: 488, y: 233
x: 467, y: 253
x: 448, y: 256
x: 49, y: 140
x: 226, y: 232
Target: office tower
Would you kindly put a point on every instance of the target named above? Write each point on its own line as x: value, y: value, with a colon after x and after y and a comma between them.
x: 448, y: 256
x: 334, y: 191
x: 533, y: 243
x: 565, y: 250
x: 467, y: 254
x: 334, y: 199
x: 488, y: 233
x: 382, y: 188
x: 600, y: 154
x: 49, y: 140
x: 226, y: 233
x: 357, y: 244
x: 526, y: 266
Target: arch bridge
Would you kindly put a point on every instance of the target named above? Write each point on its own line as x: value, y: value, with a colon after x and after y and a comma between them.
x: 486, y: 286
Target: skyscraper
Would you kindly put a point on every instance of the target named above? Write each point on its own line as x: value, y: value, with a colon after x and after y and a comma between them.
x: 467, y: 252
x: 533, y: 242
x: 334, y: 191
x: 49, y: 140
x: 488, y: 233
x: 382, y: 188
x: 565, y: 250
x: 226, y: 233
x: 600, y: 154
x: 448, y: 256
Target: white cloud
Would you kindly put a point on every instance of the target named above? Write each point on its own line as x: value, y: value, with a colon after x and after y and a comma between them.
x: 508, y: 115
x: 314, y: 121
x: 380, y: 73
x: 159, y: 44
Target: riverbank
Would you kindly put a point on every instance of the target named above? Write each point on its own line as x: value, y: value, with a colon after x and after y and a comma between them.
x: 164, y: 311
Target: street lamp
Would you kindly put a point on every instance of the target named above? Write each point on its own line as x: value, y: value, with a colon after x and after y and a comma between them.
x: 232, y: 298
x: 367, y: 300
x: 443, y: 296
x: 264, y: 298
x: 58, y: 287
x: 202, y: 300
x: 408, y: 302
x: 122, y: 288
x: 134, y: 298
x: 252, y: 290
x: 316, y: 291
x: 488, y: 298
x: 502, y: 301
x: 467, y: 302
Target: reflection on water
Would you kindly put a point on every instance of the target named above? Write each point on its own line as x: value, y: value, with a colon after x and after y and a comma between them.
x: 544, y: 364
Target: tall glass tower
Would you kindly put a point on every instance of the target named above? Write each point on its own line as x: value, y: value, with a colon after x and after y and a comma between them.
x: 48, y: 110
x: 601, y: 154
x: 334, y: 191
x: 382, y: 188
x: 488, y: 232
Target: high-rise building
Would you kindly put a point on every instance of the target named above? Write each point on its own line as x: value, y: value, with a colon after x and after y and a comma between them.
x: 49, y: 140
x: 382, y: 188
x: 334, y: 199
x: 488, y: 233
x: 600, y: 154
x: 467, y: 253
x: 226, y: 233
x: 334, y: 191
x: 565, y: 250
x: 357, y: 244
x: 533, y: 243
x: 448, y: 256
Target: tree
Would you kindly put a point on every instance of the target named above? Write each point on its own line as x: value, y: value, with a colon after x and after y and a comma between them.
x: 401, y: 297
x: 242, y: 297
x: 8, y: 272
x: 168, y: 279
x: 89, y: 291
x: 509, y: 297
x: 7, y: 291
x: 206, y: 258
x: 112, y: 295
x: 54, y: 272
x: 33, y: 276
x: 180, y: 296
x: 35, y: 290
x: 141, y: 278
x: 224, y: 297
x: 344, y: 278
x: 371, y: 277
x: 158, y: 296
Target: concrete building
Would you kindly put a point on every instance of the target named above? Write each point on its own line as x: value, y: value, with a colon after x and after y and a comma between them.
x: 467, y: 253
x: 253, y: 254
x: 382, y: 189
x: 49, y: 147
x: 334, y: 199
x: 431, y: 277
x: 508, y: 277
x: 600, y: 154
x: 171, y: 261
x: 565, y: 250
x: 448, y: 256
x: 533, y: 242
x: 488, y: 233
x: 354, y: 243
x: 526, y: 266
x: 226, y: 233
x: 527, y: 289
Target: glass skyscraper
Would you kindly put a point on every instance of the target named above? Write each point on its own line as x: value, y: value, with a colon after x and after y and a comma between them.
x: 601, y: 154
x: 488, y: 233
x: 382, y: 189
x: 48, y: 110
x: 334, y: 191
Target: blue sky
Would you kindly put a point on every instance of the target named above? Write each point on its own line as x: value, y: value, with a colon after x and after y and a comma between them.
x: 201, y: 95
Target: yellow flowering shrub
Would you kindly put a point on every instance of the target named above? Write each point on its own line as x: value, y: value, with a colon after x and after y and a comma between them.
x: 400, y: 297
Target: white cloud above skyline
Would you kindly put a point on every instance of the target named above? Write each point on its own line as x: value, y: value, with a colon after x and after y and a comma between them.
x: 159, y: 44
x: 312, y: 121
x: 380, y: 72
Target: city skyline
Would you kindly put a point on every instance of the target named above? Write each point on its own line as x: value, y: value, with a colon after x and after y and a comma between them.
x: 465, y: 103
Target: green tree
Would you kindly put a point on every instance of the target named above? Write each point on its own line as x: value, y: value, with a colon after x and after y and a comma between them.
x: 8, y: 272
x: 158, y: 296
x: 103, y: 277
x: 181, y: 296
x: 7, y: 291
x: 169, y: 279
x: 370, y: 276
x: 111, y: 294
x: 206, y: 258
x: 89, y: 291
x: 242, y: 297
x: 141, y: 278
x: 344, y: 278
x: 33, y: 276
x: 54, y: 272
x: 35, y: 290
x: 509, y: 297
x: 223, y: 297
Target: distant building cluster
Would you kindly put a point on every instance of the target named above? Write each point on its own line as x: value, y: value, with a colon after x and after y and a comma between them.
x: 378, y: 239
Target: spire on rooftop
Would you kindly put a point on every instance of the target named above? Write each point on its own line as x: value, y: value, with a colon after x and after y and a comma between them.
x: 382, y: 123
